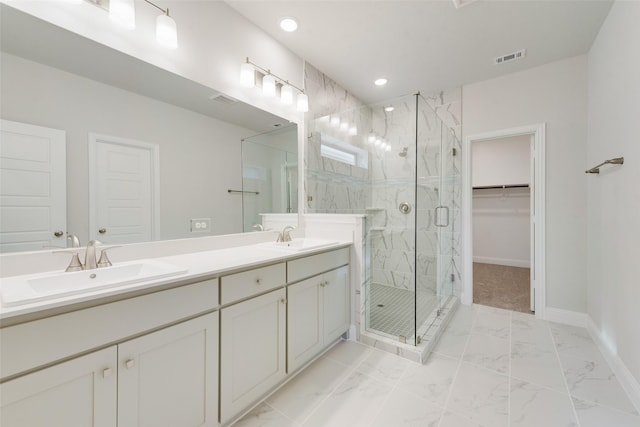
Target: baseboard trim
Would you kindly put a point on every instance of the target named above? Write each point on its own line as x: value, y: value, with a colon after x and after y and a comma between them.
x: 626, y: 378
x: 503, y: 261
x: 567, y: 317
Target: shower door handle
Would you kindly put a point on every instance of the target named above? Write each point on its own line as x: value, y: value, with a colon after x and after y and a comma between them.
x: 439, y: 220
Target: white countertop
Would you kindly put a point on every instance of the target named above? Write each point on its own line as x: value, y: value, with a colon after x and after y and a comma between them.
x: 198, y: 265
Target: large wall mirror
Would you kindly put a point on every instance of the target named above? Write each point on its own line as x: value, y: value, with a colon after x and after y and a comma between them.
x: 145, y: 154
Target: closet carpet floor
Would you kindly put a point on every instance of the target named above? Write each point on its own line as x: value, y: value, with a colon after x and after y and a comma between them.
x: 501, y: 286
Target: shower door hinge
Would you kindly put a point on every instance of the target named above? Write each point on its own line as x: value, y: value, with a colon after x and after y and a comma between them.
x: 454, y: 152
x: 453, y: 277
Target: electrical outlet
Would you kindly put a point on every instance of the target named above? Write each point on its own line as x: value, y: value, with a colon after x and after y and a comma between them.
x: 200, y: 225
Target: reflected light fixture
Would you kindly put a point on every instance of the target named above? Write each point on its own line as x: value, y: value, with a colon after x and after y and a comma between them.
x: 288, y: 24
x: 380, y: 82
x: 353, y: 130
x: 270, y: 82
x: 389, y: 109
x: 123, y: 12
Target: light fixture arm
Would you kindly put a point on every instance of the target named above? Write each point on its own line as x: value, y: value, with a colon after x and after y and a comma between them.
x: 268, y: 72
x: 165, y: 11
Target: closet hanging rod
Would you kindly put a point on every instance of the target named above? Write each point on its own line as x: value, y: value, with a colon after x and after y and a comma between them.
x: 487, y: 187
x: 243, y: 191
x: 614, y: 161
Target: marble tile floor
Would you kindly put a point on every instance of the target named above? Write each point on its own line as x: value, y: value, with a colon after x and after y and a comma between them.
x: 491, y: 368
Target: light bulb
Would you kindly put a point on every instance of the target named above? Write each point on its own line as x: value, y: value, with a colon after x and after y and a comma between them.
x: 335, y: 121
x: 353, y: 130
x: 380, y: 82
x: 344, y: 125
x: 371, y: 138
x: 247, y: 75
x: 123, y: 12
x: 288, y: 24
x: 389, y: 109
x: 387, y: 148
x: 303, y: 103
x: 378, y: 142
x: 166, y: 32
x: 286, y: 95
x: 269, y: 85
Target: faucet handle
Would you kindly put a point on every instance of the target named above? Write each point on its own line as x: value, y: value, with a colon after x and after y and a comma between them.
x: 75, y: 264
x: 104, y: 260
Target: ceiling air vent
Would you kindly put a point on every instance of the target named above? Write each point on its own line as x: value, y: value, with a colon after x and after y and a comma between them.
x: 511, y: 56
x: 223, y: 99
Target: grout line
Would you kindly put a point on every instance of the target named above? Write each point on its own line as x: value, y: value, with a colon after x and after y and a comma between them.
x: 509, y: 369
x: 564, y: 377
x: 455, y: 376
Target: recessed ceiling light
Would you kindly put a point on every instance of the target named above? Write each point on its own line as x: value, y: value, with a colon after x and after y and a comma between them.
x: 288, y: 24
x: 380, y: 82
x: 389, y: 109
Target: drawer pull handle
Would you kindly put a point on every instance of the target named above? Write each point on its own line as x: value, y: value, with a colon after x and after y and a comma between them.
x: 130, y: 363
x: 258, y: 281
x: 106, y: 373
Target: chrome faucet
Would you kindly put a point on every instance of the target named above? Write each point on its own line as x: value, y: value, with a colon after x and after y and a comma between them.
x: 75, y: 242
x: 285, y: 235
x: 90, y: 261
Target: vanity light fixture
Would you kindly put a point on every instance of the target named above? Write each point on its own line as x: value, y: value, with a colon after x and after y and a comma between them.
x: 380, y: 82
x: 166, y: 28
x: 288, y: 24
x: 353, y: 130
x: 123, y: 12
x: 270, y: 82
x: 389, y: 109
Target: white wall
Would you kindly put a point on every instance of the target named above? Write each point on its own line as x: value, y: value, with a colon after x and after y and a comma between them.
x: 613, y: 197
x: 500, y: 161
x: 200, y: 157
x: 555, y: 94
x: 501, y: 221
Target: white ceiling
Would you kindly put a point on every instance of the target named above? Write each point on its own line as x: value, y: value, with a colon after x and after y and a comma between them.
x: 427, y: 45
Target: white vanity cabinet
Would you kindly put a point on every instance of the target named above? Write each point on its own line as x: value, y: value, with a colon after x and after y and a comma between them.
x: 318, y: 307
x: 167, y: 377
x: 252, y: 338
x: 79, y: 392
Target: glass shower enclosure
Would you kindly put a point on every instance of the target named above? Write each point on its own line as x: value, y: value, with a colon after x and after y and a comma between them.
x: 396, y: 163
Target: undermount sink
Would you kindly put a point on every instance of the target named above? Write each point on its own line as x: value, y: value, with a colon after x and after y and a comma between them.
x: 20, y: 290
x: 297, y: 245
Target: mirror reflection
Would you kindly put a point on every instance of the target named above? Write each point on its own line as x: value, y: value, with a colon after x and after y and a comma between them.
x: 269, y: 175
x: 103, y: 146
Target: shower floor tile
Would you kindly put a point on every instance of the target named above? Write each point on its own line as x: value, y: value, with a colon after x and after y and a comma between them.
x: 392, y: 309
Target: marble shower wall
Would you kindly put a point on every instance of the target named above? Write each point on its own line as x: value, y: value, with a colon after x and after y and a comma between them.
x: 332, y: 186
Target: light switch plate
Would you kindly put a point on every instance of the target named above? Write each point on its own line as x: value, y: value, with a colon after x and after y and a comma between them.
x: 200, y: 225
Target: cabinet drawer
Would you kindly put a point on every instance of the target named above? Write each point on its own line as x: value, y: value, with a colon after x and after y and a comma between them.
x: 243, y: 285
x: 302, y: 268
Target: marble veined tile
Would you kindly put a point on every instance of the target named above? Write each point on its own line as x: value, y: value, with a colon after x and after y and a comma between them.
x: 526, y: 328
x: 449, y: 419
x: 300, y: 396
x: 537, y: 364
x: 348, y: 353
x: 402, y: 409
x: 594, y: 415
x: 384, y: 366
x: 354, y: 403
x: 574, y: 341
x: 432, y: 380
x: 594, y: 381
x: 264, y: 415
x: 480, y: 395
x: 488, y: 351
x: 535, y: 406
x: 492, y: 322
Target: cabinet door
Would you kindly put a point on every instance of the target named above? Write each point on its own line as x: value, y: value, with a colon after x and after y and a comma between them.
x: 336, y: 303
x: 169, y: 377
x: 79, y: 392
x: 252, y: 356
x: 304, y: 322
